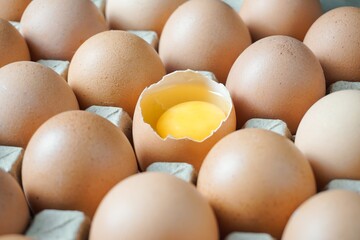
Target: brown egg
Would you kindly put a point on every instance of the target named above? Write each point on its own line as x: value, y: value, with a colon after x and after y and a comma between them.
x: 29, y: 95
x: 13, y: 10
x: 330, y: 215
x: 277, y: 17
x: 112, y: 68
x: 12, y: 45
x: 174, y: 89
x: 254, y: 179
x: 154, y: 206
x: 55, y: 29
x: 73, y: 160
x: 203, y: 35
x: 14, y: 237
x: 277, y: 77
x: 14, y: 211
x: 335, y: 39
x: 329, y: 136
x: 140, y: 14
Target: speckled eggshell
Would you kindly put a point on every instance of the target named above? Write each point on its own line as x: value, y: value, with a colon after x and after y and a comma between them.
x: 140, y: 14
x: 12, y: 45
x: 150, y: 147
x: 277, y: 17
x: 154, y: 206
x: 73, y: 160
x: 14, y: 211
x: 330, y: 215
x: 277, y: 77
x: 329, y: 136
x: 203, y: 35
x: 254, y: 179
x: 55, y: 29
x: 12, y: 10
x: 335, y: 40
x: 30, y: 93
x: 112, y: 68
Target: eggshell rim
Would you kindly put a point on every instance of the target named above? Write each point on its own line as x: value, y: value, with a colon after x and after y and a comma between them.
x: 203, y: 77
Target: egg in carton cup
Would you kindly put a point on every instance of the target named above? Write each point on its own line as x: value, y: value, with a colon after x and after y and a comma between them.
x: 158, y: 119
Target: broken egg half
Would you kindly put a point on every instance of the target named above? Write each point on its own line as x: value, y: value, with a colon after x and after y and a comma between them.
x: 181, y: 117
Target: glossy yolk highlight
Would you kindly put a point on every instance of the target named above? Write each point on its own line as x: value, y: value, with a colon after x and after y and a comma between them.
x: 193, y: 119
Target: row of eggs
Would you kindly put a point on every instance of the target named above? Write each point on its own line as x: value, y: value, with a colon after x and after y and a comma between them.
x: 285, y: 65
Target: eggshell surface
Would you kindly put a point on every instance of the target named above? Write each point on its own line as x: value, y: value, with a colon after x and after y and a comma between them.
x: 14, y: 210
x: 14, y: 237
x: 13, y: 47
x: 203, y: 35
x: 112, y: 69
x: 277, y: 77
x: 335, y: 39
x: 140, y: 14
x: 254, y: 179
x: 329, y: 215
x: 13, y: 10
x: 55, y: 29
x: 73, y: 160
x: 329, y: 134
x: 29, y: 95
x: 154, y: 206
x: 176, y: 88
x: 277, y: 17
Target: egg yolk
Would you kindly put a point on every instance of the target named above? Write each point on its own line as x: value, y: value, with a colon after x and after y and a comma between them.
x: 193, y: 119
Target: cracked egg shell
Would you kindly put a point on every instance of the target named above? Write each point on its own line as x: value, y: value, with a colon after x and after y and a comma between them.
x: 175, y: 88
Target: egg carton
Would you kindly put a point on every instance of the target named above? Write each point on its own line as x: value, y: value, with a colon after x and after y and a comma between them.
x: 11, y: 161
x: 249, y: 236
x: 343, y: 85
x: 275, y: 125
x: 117, y: 116
x: 57, y: 224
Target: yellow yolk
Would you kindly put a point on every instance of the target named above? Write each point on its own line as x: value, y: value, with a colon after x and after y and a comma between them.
x: 193, y: 119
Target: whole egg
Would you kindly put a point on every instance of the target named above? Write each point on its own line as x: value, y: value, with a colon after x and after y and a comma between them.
x: 277, y: 77
x: 55, y: 29
x: 112, y: 68
x: 329, y: 215
x: 335, y: 39
x: 13, y: 47
x: 73, y: 160
x: 140, y: 14
x: 254, y: 179
x: 154, y: 206
x: 30, y: 94
x: 203, y: 35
